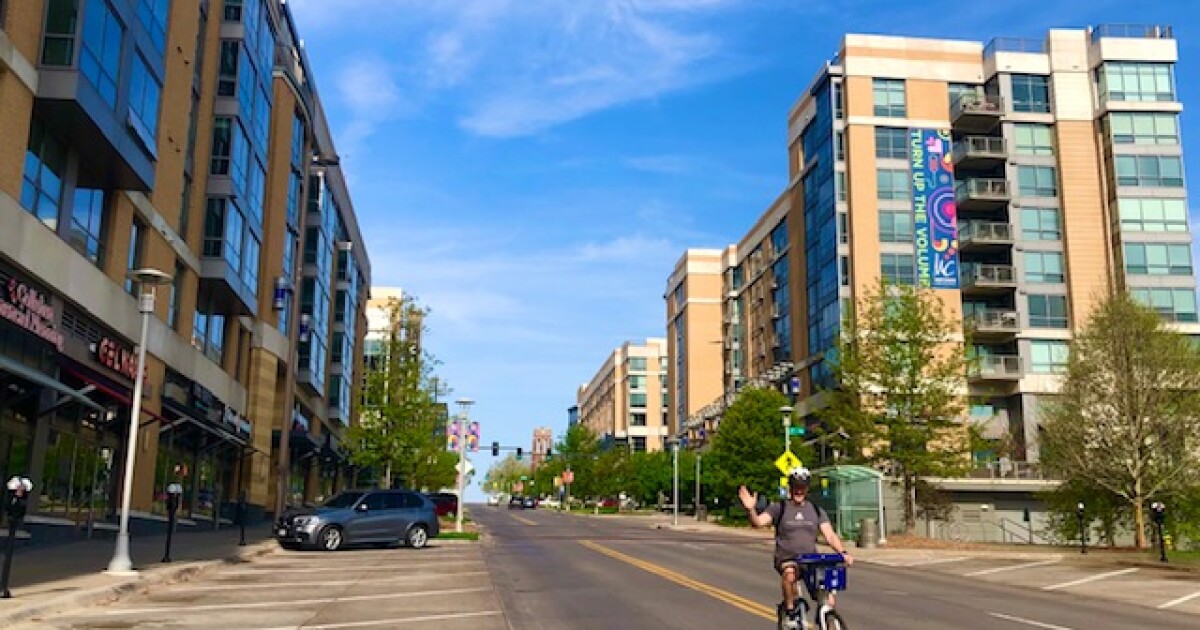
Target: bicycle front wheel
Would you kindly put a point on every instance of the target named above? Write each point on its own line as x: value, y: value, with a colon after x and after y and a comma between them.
x: 831, y: 620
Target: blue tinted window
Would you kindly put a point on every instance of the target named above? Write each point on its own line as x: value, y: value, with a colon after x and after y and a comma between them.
x: 100, y: 60
x: 144, y: 95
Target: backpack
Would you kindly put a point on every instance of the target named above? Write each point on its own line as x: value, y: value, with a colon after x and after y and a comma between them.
x: 783, y: 505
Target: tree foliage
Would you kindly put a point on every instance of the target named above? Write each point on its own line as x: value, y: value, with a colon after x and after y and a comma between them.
x: 1127, y: 420
x: 400, y: 429
x: 901, y: 370
x: 747, y: 443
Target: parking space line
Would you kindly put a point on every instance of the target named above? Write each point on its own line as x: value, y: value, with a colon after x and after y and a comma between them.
x: 1028, y: 622
x: 356, y: 582
x: 1175, y: 602
x: 1090, y: 578
x: 393, y: 567
x: 293, y: 602
x: 924, y: 563
x: 1014, y: 567
x: 397, y: 621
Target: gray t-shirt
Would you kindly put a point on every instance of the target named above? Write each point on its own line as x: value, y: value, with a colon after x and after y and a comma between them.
x: 797, y: 528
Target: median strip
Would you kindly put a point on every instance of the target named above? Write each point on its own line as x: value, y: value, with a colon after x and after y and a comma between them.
x: 737, y: 601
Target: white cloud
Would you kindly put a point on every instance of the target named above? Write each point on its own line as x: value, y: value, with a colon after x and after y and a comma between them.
x: 367, y: 89
x: 512, y: 68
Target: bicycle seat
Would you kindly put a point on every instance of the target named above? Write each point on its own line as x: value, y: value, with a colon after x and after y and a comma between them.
x: 821, y: 558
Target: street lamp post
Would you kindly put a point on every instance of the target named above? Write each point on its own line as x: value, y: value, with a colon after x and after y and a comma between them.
x: 148, y: 279
x: 675, y: 482
x: 1158, y: 512
x: 1079, y: 511
x: 464, y: 407
x: 787, y: 428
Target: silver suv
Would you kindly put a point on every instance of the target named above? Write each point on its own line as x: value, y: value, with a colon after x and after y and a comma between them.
x: 360, y: 517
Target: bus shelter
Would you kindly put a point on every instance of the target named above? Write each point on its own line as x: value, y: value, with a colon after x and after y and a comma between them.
x: 850, y: 494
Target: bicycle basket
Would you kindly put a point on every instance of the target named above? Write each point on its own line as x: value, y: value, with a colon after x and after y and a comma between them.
x: 834, y: 578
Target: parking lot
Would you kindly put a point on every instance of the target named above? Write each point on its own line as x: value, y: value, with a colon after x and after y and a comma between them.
x: 1150, y: 587
x: 445, y: 585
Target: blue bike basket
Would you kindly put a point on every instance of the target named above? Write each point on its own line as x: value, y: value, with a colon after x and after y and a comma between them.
x: 835, y: 578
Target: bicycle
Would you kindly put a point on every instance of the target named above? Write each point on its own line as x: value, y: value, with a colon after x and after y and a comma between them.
x: 825, y: 573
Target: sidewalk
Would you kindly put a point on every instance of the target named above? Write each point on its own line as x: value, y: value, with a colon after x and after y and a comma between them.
x: 59, y: 577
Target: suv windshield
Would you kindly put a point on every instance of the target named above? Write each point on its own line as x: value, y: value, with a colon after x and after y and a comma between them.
x: 344, y: 500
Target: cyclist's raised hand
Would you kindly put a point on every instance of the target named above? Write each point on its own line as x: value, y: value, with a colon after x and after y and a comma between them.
x: 749, y: 500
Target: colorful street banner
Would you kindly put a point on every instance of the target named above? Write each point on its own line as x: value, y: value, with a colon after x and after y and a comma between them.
x: 473, y: 437
x: 935, y: 216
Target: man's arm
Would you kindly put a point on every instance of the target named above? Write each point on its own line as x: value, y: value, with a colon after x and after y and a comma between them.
x: 750, y: 502
x: 835, y: 541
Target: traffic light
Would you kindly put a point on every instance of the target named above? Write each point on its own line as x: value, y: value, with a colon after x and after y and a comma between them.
x: 495, y: 449
x: 518, y: 453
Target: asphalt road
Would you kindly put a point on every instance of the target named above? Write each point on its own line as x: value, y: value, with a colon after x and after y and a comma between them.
x: 554, y: 571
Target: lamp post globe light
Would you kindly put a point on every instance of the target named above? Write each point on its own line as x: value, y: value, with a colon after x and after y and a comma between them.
x: 464, y: 408
x: 148, y: 279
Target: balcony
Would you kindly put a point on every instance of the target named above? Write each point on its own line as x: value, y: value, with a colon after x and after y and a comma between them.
x: 979, y: 193
x: 975, y: 152
x: 1001, y: 367
x: 1134, y: 31
x: 979, y: 113
x: 993, y: 323
x: 983, y: 235
x: 980, y: 278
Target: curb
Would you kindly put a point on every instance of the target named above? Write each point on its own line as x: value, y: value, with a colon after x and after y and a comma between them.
x: 124, y: 586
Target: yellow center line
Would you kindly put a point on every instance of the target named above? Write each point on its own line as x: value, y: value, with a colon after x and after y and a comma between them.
x: 522, y: 519
x: 737, y: 601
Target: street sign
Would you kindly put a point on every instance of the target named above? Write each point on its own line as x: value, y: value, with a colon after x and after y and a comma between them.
x: 787, y: 462
x: 517, y: 487
x: 558, y: 482
x: 794, y: 431
x: 568, y: 476
x: 464, y: 467
x: 524, y: 477
x: 783, y: 482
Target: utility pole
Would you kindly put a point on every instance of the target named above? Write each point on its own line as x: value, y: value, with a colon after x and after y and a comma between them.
x: 787, y: 428
x: 464, y: 405
x: 697, y: 500
x: 675, y: 482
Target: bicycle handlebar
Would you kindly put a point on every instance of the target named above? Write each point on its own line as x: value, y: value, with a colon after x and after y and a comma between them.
x: 821, y: 559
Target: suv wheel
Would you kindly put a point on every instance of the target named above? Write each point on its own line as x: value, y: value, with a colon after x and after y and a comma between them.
x: 417, y: 537
x: 330, y: 538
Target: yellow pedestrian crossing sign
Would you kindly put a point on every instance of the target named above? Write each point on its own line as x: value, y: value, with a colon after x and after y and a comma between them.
x: 787, y: 462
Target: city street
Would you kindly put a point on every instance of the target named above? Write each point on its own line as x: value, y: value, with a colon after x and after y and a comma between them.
x: 555, y: 570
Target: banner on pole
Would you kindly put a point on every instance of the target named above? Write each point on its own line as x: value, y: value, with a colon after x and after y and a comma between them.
x: 935, y: 214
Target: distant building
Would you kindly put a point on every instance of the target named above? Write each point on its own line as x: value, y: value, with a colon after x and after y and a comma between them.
x: 543, y: 440
x: 572, y: 416
x: 625, y: 403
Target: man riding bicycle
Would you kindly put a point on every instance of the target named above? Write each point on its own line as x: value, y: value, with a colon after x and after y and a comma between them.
x: 797, y: 522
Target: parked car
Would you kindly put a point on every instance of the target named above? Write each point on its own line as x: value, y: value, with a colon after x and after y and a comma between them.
x: 516, y: 503
x: 550, y: 502
x: 361, y: 517
x: 529, y: 503
x: 446, y: 502
x: 493, y: 500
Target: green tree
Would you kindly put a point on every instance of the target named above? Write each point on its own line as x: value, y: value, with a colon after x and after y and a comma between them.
x: 398, y: 432
x: 1127, y: 419
x: 747, y: 443
x: 1104, y: 511
x: 900, y: 374
x: 504, y: 474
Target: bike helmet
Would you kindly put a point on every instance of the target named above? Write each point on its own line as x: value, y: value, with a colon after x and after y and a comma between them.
x: 799, y: 478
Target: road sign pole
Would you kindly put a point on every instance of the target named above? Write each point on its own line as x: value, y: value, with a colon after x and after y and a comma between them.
x: 675, y: 483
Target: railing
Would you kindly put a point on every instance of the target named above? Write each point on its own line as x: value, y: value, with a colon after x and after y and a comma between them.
x: 997, y: 365
x: 1008, y: 469
x: 1014, y: 532
x: 981, y: 274
x: 985, y: 232
x: 1147, y: 31
x: 973, y: 103
x: 980, y: 146
x: 993, y: 188
x: 1014, y: 44
x: 994, y: 319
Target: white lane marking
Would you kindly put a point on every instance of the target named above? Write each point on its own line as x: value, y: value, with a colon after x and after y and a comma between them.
x: 1028, y: 622
x: 397, y: 567
x: 1014, y: 567
x: 1090, y: 578
x: 923, y: 563
x: 294, y: 602
x: 397, y: 621
x: 1180, y: 600
x: 392, y: 580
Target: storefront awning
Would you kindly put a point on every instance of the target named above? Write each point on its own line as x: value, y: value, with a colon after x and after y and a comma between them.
x: 185, y: 416
x: 34, y: 376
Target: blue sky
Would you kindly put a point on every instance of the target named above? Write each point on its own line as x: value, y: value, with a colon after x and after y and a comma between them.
x: 532, y: 169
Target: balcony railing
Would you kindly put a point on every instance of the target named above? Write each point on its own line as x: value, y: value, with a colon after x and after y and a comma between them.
x: 985, y: 232
x: 975, y: 103
x: 981, y: 275
x: 979, y: 147
x: 1141, y: 31
x: 1014, y: 44
x: 981, y: 189
x: 1008, y: 469
x: 994, y: 320
x: 997, y: 365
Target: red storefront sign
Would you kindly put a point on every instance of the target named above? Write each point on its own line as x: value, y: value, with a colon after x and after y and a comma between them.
x: 26, y: 307
x: 117, y: 357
